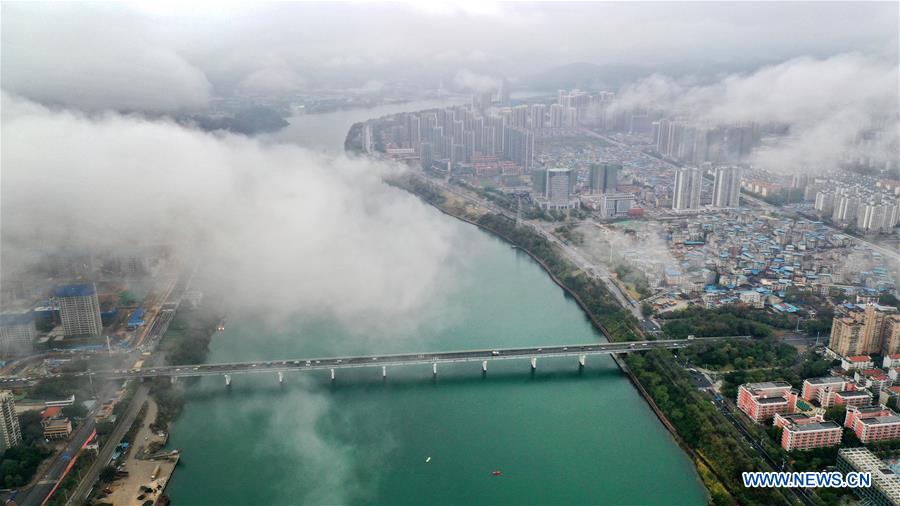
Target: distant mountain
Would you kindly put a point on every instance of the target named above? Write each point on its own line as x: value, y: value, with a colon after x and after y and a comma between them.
x: 248, y: 121
x: 588, y: 76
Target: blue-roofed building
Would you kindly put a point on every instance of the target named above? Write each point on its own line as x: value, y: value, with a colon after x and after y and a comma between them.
x: 136, y: 319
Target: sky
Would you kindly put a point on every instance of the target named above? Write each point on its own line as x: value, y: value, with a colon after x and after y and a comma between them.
x: 167, y: 56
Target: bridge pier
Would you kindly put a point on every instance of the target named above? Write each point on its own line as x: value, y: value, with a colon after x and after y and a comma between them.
x: 434, y: 368
x: 227, y: 380
x: 581, y: 360
x: 533, y: 363
x: 280, y: 377
x: 484, y: 366
x: 332, y: 375
x: 384, y: 371
x: 174, y: 379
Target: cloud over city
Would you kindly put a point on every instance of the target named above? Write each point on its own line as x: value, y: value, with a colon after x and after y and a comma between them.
x: 285, y: 229
x: 827, y: 104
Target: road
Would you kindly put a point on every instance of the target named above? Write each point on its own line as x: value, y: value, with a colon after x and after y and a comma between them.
x: 54, y: 472
x: 728, y: 412
x: 93, y: 473
x: 595, y: 271
x: 36, y: 494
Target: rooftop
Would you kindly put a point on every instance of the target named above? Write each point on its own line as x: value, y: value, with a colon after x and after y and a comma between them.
x: 8, y: 319
x: 881, y: 420
x: 827, y: 380
x: 81, y: 290
x: 771, y: 400
x: 766, y: 385
x: 811, y: 427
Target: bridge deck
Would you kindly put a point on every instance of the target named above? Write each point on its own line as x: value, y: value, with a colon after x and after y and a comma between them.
x: 312, y: 364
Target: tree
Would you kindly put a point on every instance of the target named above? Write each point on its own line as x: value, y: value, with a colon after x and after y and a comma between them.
x: 76, y: 410
x: 108, y: 474
x: 836, y: 413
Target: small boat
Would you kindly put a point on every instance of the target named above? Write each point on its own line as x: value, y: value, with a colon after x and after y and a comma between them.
x: 496, y: 473
x: 428, y: 460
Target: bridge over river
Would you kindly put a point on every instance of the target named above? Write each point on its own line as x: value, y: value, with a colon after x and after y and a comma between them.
x: 333, y: 364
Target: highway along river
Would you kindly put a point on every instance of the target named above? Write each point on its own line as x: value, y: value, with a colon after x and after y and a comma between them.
x: 557, y: 436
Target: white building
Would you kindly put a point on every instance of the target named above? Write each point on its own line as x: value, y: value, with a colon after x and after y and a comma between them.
x: 727, y: 187
x: 79, y: 310
x: 10, y: 433
x: 559, y: 186
x: 688, y: 181
x: 615, y: 204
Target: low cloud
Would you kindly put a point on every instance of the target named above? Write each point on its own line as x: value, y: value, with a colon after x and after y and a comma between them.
x: 827, y: 105
x: 111, y: 63
x: 284, y: 229
x: 479, y: 83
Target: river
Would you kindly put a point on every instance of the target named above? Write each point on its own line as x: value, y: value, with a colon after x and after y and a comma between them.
x: 559, y: 435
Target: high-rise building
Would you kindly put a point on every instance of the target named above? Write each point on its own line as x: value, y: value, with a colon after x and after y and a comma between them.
x: 727, y: 187
x: 17, y: 333
x: 556, y: 116
x: 560, y: 183
x: 862, y: 332
x: 426, y: 154
x: 604, y: 177
x: 890, y: 336
x: 79, y: 310
x: 538, y: 115
x: 9, y: 422
x: 519, y: 147
x: 688, y: 181
x: 824, y: 202
x: 504, y: 93
x: 846, y: 206
x: 539, y: 182
x: 877, y: 216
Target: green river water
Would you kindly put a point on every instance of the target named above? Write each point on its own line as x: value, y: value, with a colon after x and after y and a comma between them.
x: 559, y: 435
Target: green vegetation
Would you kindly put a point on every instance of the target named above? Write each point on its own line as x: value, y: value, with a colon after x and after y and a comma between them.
x: 126, y: 298
x: 636, y: 279
x: 888, y: 299
x: 51, y: 388
x: 71, y: 480
x: 728, y: 320
x: 169, y: 402
x: 19, y: 464
x: 780, y: 197
x: 188, y: 337
x: 418, y: 186
x: 811, y: 365
x: 186, y: 342
x: 570, y: 234
x: 702, y: 428
x: 741, y: 354
x: 108, y: 474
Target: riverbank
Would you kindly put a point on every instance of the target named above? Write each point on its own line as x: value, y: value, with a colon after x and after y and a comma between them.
x: 713, y: 448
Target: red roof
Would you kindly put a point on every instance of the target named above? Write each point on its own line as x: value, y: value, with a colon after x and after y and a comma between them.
x: 895, y: 356
x: 51, y: 412
x: 860, y: 358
